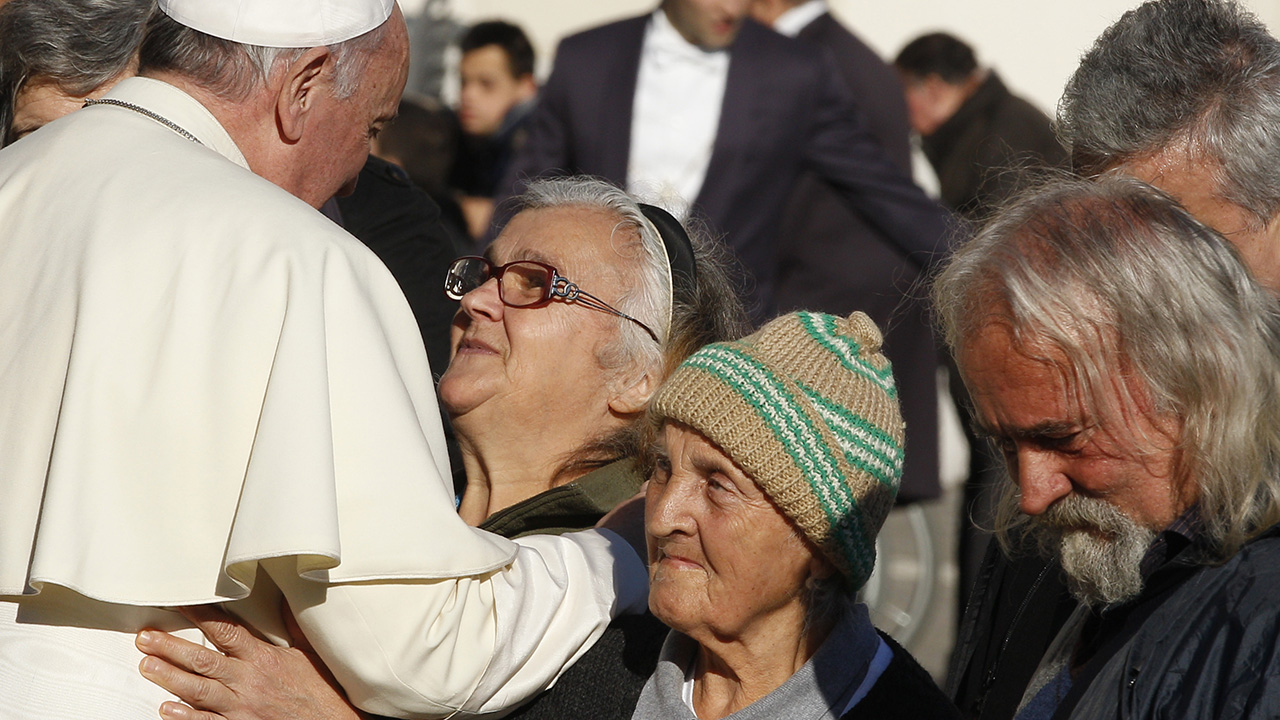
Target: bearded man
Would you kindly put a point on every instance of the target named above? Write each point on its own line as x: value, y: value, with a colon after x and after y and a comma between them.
x: 1181, y: 94
x: 1125, y: 362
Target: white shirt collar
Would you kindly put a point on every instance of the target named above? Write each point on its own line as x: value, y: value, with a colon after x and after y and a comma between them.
x: 675, y: 113
x: 663, y: 38
x: 791, y: 22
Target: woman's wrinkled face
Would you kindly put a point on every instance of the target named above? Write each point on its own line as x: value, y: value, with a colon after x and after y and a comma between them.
x: 723, y: 559
x: 536, y: 366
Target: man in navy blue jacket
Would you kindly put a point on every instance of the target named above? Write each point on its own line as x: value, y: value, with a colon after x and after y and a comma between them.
x: 761, y: 109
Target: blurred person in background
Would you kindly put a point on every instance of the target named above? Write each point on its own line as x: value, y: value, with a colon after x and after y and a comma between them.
x: 696, y: 102
x: 980, y: 138
x: 836, y: 262
x: 413, y: 236
x: 496, y: 97
x: 423, y: 141
x: 984, y: 143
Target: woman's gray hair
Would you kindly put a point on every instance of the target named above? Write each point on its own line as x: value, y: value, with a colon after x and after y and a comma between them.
x: 1200, y: 75
x: 78, y: 45
x: 711, y: 313
x: 233, y: 71
x: 648, y: 299
x: 715, y: 314
x: 826, y: 600
x: 1127, y: 285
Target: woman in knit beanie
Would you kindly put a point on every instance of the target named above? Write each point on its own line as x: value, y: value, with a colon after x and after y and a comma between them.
x: 777, y: 460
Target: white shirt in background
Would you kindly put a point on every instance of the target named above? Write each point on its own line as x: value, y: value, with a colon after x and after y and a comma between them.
x: 791, y: 22
x: 676, y: 113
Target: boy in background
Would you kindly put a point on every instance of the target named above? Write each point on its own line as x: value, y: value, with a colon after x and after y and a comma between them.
x: 498, y: 91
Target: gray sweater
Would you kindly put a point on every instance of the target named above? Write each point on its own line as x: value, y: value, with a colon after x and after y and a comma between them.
x: 822, y: 689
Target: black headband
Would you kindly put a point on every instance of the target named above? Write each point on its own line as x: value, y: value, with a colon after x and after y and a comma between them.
x: 684, y: 274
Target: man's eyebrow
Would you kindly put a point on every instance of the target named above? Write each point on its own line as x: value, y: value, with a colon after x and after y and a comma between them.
x: 1047, y: 428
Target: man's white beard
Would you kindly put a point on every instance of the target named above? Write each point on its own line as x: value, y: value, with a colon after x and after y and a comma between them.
x: 1101, y: 549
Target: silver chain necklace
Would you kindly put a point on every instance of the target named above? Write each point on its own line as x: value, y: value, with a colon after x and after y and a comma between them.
x: 143, y: 111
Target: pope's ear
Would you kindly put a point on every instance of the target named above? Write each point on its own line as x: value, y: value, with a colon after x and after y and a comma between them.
x: 299, y: 91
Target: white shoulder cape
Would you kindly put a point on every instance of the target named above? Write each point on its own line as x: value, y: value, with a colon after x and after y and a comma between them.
x: 199, y: 371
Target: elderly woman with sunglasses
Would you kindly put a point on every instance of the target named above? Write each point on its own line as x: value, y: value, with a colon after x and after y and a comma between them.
x: 566, y: 327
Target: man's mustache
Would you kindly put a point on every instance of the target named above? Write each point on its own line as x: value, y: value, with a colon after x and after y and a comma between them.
x: 1076, y: 512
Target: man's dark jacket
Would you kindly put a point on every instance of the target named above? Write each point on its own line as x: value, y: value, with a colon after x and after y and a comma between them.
x: 980, y: 153
x: 1013, y: 614
x: 1202, y: 640
x: 835, y: 262
x: 402, y: 226
x: 784, y: 111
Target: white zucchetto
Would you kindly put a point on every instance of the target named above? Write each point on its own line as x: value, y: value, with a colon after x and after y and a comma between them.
x: 280, y: 23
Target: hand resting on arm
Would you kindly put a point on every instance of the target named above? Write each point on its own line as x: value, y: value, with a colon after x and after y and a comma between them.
x: 250, y: 679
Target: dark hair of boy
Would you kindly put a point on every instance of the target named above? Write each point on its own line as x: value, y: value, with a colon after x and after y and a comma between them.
x: 514, y: 43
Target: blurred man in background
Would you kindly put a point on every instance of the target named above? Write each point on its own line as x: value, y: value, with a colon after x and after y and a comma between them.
x: 834, y: 261
x: 978, y: 136
x: 497, y: 95
x: 983, y: 143
x: 698, y: 103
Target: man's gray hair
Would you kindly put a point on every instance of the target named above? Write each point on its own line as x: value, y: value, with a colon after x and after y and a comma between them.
x: 233, y: 71
x: 76, y: 44
x: 1200, y: 74
x: 1127, y: 285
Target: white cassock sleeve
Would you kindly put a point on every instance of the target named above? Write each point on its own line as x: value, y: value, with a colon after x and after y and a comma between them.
x: 423, y: 649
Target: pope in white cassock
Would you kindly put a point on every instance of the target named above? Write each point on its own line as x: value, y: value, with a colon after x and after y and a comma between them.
x: 212, y: 394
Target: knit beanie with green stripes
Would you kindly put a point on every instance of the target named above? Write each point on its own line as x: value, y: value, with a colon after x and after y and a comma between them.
x: 808, y: 408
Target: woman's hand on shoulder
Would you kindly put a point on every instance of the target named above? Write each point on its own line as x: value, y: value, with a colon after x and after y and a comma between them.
x: 250, y: 679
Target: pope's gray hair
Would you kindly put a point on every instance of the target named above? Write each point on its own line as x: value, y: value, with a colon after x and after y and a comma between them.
x: 1198, y: 76
x: 1142, y: 299
x: 233, y: 71
x: 79, y: 45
